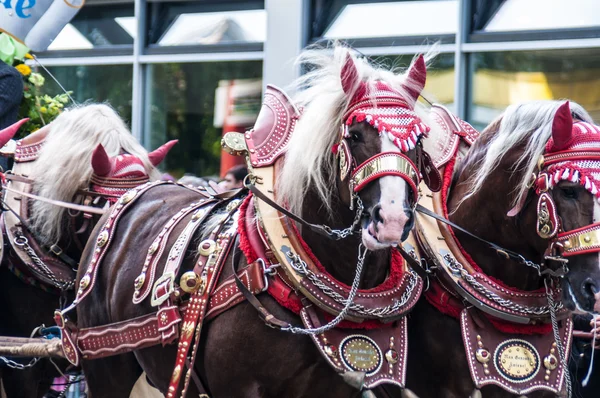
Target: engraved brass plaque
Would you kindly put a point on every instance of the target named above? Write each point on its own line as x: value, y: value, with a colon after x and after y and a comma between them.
x: 517, y: 360
x: 360, y: 353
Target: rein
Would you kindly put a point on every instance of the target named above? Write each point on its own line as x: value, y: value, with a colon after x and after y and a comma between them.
x: 509, y: 254
x: 66, y: 205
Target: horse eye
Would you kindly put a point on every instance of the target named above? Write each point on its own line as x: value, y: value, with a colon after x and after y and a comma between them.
x: 569, y: 192
x: 355, y: 136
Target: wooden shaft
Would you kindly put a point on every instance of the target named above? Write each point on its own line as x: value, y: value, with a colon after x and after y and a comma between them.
x: 29, y: 348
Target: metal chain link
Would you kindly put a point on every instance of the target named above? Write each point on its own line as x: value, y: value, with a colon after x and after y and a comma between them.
x: 347, y: 304
x: 561, y: 350
x: 299, y: 265
x: 344, y: 233
x: 22, y: 242
x: 458, y: 269
x: 19, y: 366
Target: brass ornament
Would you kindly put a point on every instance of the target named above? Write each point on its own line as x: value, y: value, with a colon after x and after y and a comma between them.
x: 153, y: 248
x: 234, y: 144
x: 85, y: 282
x: 330, y: 350
x: 139, y: 281
x: 102, y: 238
x: 207, y: 247
x: 391, y: 356
x: 361, y: 354
x: 343, y: 160
x: 189, y: 282
x: 517, y: 360
x: 233, y: 205
x: 128, y: 197
x: 550, y: 362
x: 482, y: 355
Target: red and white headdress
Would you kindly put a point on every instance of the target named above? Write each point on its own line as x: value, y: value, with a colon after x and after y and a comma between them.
x: 573, y: 152
x: 384, y: 108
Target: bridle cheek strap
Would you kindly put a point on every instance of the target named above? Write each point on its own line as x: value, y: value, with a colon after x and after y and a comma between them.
x: 580, y: 241
x: 386, y: 164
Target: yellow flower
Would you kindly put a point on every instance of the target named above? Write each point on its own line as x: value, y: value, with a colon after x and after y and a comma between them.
x: 43, y: 109
x: 28, y: 56
x: 24, y: 69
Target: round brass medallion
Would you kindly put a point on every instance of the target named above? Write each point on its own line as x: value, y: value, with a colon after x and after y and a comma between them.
x: 139, y: 281
x: 102, y: 238
x: 482, y: 355
x: 207, y: 247
x: 517, y: 360
x: 550, y: 362
x: 85, y: 281
x: 127, y: 197
x: 189, y: 282
x: 391, y: 356
x: 360, y: 353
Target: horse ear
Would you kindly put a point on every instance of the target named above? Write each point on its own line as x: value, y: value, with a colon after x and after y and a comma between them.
x: 349, y: 74
x: 158, y: 155
x: 562, y: 128
x: 416, y: 77
x: 8, y: 133
x: 101, y: 162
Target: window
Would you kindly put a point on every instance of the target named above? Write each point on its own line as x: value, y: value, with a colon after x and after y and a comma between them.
x: 195, y: 103
x: 440, y: 75
x: 99, y: 26
x: 505, y: 78
x: 110, y: 84
x: 205, y: 24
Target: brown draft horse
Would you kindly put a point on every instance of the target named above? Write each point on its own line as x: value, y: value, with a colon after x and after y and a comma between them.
x: 239, y: 355
x: 484, y: 186
x: 62, y: 169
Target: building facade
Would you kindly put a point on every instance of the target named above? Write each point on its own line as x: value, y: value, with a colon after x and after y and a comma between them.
x: 190, y: 70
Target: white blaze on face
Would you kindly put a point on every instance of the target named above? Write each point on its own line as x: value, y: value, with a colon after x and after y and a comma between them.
x: 394, y: 191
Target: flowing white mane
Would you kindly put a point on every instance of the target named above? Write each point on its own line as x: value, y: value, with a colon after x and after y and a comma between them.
x: 529, y: 123
x: 309, y: 161
x: 64, y: 163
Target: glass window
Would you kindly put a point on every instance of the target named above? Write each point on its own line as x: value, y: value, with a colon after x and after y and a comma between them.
x: 519, y: 15
x: 505, y: 78
x: 194, y: 23
x: 98, y: 26
x: 394, y: 19
x: 110, y: 83
x: 195, y: 103
x: 439, y: 87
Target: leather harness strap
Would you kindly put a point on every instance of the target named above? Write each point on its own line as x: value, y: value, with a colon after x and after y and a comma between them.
x: 66, y: 205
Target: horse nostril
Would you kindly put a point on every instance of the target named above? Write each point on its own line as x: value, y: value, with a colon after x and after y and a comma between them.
x: 590, y: 288
x: 376, y: 214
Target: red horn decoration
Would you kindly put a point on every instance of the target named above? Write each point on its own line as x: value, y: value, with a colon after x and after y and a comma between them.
x: 8, y: 133
x: 562, y: 128
x: 158, y: 155
x: 416, y: 77
x: 101, y: 162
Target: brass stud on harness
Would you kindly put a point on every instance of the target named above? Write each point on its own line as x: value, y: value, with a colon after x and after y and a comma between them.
x: 207, y: 247
x: 102, y: 238
x: 189, y: 282
x: 85, y: 282
x: 153, y: 248
x: 128, y: 197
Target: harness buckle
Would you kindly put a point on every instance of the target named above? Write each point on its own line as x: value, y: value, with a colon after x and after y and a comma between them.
x: 56, y: 250
x: 165, y: 282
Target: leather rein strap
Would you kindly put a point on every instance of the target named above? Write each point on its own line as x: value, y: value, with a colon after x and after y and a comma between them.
x: 320, y: 229
x: 66, y: 205
x: 499, y: 249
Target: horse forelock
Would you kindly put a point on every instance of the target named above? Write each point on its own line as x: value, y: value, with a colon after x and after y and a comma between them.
x: 309, y: 160
x: 64, y: 163
x: 526, y: 125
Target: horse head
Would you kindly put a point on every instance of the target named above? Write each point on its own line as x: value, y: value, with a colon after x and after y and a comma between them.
x: 571, y: 172
x: 537, y: 168
x: 366, y: 117
x: 115, y: 174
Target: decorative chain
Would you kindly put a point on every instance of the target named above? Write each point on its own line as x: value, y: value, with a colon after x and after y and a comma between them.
x: 19, y: 366
x: 458, y: 269
x: 344, y: 233
x: 362, y: 252
x: 561, y: 350
x: 299, y: 265
x: 22, y: 242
